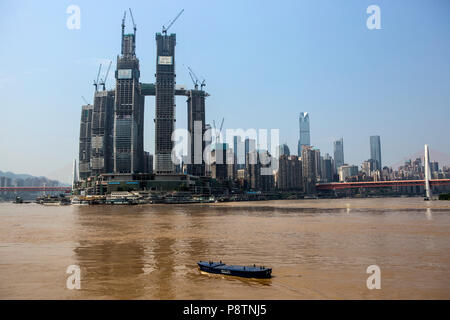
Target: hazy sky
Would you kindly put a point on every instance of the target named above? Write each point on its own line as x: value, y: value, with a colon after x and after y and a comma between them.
x: 264, y: 63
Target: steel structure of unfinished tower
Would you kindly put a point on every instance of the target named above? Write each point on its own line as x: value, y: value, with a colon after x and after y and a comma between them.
x: 128, y: 109
x: 102, y: 132
x: 165, y: 102
x: 85, y: 141
x: 196, y: 129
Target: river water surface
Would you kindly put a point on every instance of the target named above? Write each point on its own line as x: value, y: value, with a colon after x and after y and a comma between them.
x: 318, y: 249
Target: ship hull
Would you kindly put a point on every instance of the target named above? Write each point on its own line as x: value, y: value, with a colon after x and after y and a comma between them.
x: 238, y: 271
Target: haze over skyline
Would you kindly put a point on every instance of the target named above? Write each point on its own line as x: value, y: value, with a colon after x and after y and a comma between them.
x: 264, y: 63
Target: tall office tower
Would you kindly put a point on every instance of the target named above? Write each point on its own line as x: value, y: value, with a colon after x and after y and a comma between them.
x: 375, y: 151
x: 208, y: 140
x: 309, y: 169
x: 338, y: 147
x: 128, y: 109
x: 84, y: 160
x: 304, y: 136
x: 327, y: 168
x: 102, y: 132
x: 74, y: 174
x: 318, y: 163
x: 148, y: 162
x: 165, y: 102
x: 252, y: 174
x: 250, y: 145
x: 239, y: 153
x: 196, y: 129
x: 284, y: 150
x: 219, y: 166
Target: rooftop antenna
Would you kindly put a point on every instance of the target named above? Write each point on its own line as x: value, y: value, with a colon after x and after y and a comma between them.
x: 98, y: 75
x: 164, y: 29
x: 103, y: 82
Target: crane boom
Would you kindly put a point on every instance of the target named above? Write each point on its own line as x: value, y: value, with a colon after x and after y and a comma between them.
x: 164, y: 29
x: 132, y: 19
x: 98, y: 75
x: 103, y: 83
x: 193, y: 77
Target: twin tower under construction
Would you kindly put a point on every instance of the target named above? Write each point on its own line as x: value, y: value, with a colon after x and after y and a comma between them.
x: 112, y: 128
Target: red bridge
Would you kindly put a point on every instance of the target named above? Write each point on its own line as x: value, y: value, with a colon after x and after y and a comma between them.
x: 49, y: 189
x: 380, y: 184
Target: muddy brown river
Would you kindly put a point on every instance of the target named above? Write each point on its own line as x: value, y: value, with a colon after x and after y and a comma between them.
x: 318, y: 249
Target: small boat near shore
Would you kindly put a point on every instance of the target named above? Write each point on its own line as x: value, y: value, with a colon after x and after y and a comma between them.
x: 254, y: 271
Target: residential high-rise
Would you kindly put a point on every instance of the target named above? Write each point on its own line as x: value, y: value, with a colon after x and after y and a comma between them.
x: 289, y: 174
x: 369, y: 166
x: 102, y: 133
x: 84, y: 160
x: 347, y: 171
x: 309, y: 169
x: 196, y: 129
x: 375, y: 151
x: 128, y: 109
x: 165, y: 102
x: 338, y: 147
x: 304, y: 133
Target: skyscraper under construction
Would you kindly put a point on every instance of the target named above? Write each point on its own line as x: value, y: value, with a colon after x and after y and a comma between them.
x: 129, y: 109
x: 196, y: 129
x: 165, y: 102
x: 102, y: 132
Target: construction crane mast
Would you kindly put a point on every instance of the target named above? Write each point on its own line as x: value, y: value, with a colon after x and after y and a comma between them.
x: 164, y: 29
x: 102, y: 82
x: 98, y: 75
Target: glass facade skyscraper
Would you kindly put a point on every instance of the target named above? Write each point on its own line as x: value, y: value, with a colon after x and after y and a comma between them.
x: 128, y: 109
x: 375, y: 151
x: 338, y: 147
x: 304, y: 134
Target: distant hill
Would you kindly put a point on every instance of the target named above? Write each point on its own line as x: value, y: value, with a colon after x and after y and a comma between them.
x: 29, y: 180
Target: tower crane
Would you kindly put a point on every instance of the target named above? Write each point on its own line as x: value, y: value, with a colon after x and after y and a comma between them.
x: 164, y: 29
x: 220, y: 130
x: 102, y: 82
x: 98, y: 75
x: 193, y: 77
